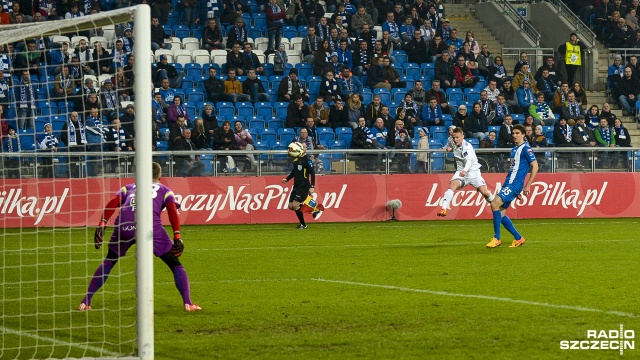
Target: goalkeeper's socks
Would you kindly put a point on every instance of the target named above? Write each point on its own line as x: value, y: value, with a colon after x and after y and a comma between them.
x: 446, y: 199
x: 98, y: 279
x: 497, y: 217
x: 506, y: 221
x: 182, y: 283
x: 300, y: 217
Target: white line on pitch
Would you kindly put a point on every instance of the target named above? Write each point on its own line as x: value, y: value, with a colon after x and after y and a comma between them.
x: 60, y: 342
x: 390, y: 245
x: 483, y: 297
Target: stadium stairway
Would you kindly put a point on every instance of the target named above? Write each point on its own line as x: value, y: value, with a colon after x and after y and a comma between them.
x: 461, y: 18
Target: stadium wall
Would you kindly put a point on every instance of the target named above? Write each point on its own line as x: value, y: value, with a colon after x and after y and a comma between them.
x: 256, y: 200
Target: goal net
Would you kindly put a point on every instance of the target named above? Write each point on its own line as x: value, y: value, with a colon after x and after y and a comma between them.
x: 66, y: 86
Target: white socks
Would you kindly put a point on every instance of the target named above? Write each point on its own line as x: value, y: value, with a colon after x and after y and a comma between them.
x: 446, y: 199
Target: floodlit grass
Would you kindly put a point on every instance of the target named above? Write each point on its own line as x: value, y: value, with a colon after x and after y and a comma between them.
x: 392, y: 290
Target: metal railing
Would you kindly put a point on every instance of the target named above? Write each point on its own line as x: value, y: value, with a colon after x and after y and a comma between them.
x: 580, y: 28
x: 342, y: 161
x: 535, y: 56
x: 521, y: 22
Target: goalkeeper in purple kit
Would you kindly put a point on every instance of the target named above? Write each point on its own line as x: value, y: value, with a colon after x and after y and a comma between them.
x: 124, y: 236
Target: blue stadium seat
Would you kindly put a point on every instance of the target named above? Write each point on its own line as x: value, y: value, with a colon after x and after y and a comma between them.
x: 401, y: 57
x: 244, y: 109
x: 326, y: 137
x: 473, y: 141
x: 344, y: 134
x: 455, y: 95
x: 304, y: 70
x: 226, y: 110
x: 286, y: 135
x: 194, y: 96
x: 411, y: 70
x: 437, y: 161
x: 193, y: 70
x: 428, y: 70
x: 257, y: 124
x: 187, y: 84
x: 264, y: 109
x: 254, y: 32
x: 276, y: 123
x: 268, y: 135
x: 281, y: 110
x: 472, y: 96
x: 289, y: 33
x: 181, y: 31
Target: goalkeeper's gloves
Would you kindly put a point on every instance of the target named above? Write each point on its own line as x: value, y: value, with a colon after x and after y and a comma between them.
x: 98, y: 236
x: 178, y: 245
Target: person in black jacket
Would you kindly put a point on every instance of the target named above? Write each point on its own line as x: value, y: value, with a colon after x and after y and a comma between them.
x: 167, y: 71
x: 445, y: 72
x: 505, y: 138
x: 338, y: 114
x: 224, y: 138
x: 253, y: 87
x: 297, y: 112
x: 158, y: 35
x: 213, y: 86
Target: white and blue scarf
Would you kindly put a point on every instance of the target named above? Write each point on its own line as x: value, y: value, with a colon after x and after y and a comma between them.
x: 71, y: 131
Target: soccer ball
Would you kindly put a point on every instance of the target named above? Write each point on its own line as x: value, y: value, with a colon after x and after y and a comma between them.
x: 296, y: 150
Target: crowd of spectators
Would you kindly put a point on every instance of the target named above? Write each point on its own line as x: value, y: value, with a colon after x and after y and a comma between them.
x: 348, y: 58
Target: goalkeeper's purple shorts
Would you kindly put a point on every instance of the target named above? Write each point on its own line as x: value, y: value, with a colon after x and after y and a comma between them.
x: 124, y: 236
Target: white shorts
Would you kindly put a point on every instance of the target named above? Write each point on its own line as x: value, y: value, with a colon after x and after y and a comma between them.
x: 473, y: 178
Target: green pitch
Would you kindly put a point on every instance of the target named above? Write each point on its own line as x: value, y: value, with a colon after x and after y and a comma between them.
x: 389, y: 290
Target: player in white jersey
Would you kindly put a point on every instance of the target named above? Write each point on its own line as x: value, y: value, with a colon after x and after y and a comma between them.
x: 467, y: 171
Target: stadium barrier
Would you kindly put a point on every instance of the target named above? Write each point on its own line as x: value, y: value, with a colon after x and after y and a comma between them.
x: 256, y: 200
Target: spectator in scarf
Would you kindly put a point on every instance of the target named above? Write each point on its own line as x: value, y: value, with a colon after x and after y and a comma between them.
x: 48, y: 143
x: 177, y: 108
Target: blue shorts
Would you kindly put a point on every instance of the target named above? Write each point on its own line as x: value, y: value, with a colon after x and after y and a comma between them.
x: 508, y: 193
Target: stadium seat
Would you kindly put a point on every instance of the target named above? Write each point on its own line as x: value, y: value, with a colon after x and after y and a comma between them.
x: 455, y: 95
x: 257, y: 124
x: 326, y: 137
x: 226, y: 110
x: 428, y: 71
x: 344, y: 134
x: 401, y: 57
x: 411, y: 70
x: 244, y: 109
x: 264, y: 109
x: 194, y: 70
x: 472, y: 95
x: 181, y: 31
x: 281, y: 110
x: 474, y: 142
x: 268, y: 135
x: 437, y: 161
x: 276, y: 123
x: 286, y: 135
x: 194, y: 96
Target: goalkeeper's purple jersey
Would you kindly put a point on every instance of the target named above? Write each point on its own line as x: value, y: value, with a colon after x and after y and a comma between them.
x: 162, y: 195
x: 125, y: 224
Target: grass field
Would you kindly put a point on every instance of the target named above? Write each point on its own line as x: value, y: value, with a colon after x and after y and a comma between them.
x: 392, y: 290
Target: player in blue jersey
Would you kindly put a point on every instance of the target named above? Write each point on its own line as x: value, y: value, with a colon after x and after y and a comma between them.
x: 124, y: 236
x: 522, y: 161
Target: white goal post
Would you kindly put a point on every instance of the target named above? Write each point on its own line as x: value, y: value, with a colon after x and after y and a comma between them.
x: 43, y: 270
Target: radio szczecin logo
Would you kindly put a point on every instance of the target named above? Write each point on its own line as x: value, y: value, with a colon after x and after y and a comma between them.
x: 603, y: 340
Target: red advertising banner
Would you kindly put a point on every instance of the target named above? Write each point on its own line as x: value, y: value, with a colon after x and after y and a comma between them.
x: 255, y: 200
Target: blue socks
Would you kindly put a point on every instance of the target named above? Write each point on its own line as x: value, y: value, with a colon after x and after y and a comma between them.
x: 497, y: 216
x: 509, y: 226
